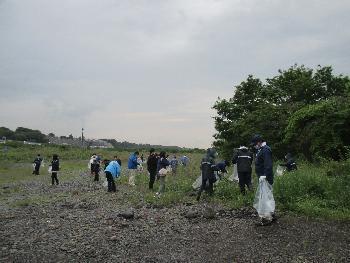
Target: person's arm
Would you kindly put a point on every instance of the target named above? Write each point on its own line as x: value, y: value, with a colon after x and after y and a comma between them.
x: 118, y: 170
x: 235, y: 157
x: 268, y: 164
x: 134, y: 160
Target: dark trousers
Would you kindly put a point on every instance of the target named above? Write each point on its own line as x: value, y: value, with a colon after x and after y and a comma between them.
x: 110, y: 182
x: 152, y: 178
x: 97, y: 176
x: 36, y: 169
x: 245, y: 179
x: 54, y: 178
x: 207, y: 185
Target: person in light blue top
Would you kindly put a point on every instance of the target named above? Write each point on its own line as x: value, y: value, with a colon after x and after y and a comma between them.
x: 112, y: 171
x: 174, y: 163
x: 132, y: 167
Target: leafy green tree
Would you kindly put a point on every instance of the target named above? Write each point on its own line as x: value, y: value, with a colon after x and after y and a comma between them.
x: 266, y: 108
x: 25, y: 134
x: 321, y: 129
x: 6, y: 132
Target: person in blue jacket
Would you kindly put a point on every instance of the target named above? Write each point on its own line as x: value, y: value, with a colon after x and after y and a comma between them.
x: 132, y: 167
x: 263, y: 159
x: 112, y: 171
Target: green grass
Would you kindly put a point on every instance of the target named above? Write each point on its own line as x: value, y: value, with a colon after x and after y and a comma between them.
x: 311, y: 192
x: 314, y: 190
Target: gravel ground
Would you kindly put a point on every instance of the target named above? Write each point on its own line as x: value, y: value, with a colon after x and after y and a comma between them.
x: 79, y: 221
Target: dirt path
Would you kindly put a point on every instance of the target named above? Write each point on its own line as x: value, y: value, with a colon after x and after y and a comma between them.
x: 79, y: 221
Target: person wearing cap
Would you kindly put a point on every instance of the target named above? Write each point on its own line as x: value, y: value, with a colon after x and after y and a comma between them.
x: 243, y: 158
x: 152, y: 162
x: 208, y: 168
x: 263, y: 160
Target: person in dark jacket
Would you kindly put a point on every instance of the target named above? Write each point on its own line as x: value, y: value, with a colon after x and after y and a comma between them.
x: 95, y: 168
x: 222, y: 166
x: 208, y: 168
x: 243, y: 158
x: 263, y: 168
x: 289, y: 163
x: 263, y: 159
x: 55, y: 167
x: 152, y: 162
x: 37, y: 162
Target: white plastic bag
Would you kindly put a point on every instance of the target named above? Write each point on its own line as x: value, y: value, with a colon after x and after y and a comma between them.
x: 234, y: 176
x: 280, y: 170
x: 50, y: 169
x: 197, y: 184
x: 264, y: 202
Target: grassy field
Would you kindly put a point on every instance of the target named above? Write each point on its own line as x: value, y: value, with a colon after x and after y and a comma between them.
x: 314, y: 190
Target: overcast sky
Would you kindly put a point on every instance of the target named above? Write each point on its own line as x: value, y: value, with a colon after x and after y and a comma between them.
x: 149, y: 71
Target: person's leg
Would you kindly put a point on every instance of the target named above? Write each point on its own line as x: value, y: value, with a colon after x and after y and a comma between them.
x: 202, y: 188
x: 37, y: 167
x: 113, y: 186
x: 52, y: 179
x: 109, y: 181
x: 241, y: 182
x: 249, y: 181
x: 210, y: 188
x: 132, y: 176
x: 56, y: 178
x: 96, y: 176
x: 162, y: 184
x: 152, y: 178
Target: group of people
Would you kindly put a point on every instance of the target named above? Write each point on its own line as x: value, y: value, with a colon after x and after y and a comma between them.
x: 54, y: 167
x: 160, y: 164
x: 243, y: 159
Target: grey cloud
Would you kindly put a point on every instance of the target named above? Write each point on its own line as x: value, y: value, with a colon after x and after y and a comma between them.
x: 127, y: 60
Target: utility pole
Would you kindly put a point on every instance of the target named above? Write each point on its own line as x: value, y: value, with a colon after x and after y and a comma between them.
x: 82, y: 137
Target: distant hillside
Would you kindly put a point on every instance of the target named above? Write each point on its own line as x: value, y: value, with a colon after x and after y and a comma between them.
x: 130, y: 145
x: 29, y: 135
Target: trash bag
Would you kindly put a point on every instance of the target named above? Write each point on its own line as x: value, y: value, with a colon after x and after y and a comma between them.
x: 234, y: 176
x: 280, y: 170
x: 264, y: 202
x: 50, y: 169
x: 197, y: 184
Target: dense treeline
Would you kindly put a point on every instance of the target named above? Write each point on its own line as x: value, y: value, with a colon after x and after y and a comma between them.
x: 137, y: 146
x: 26, y: 134
x: 23, y: 134
x: 301, y: 110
